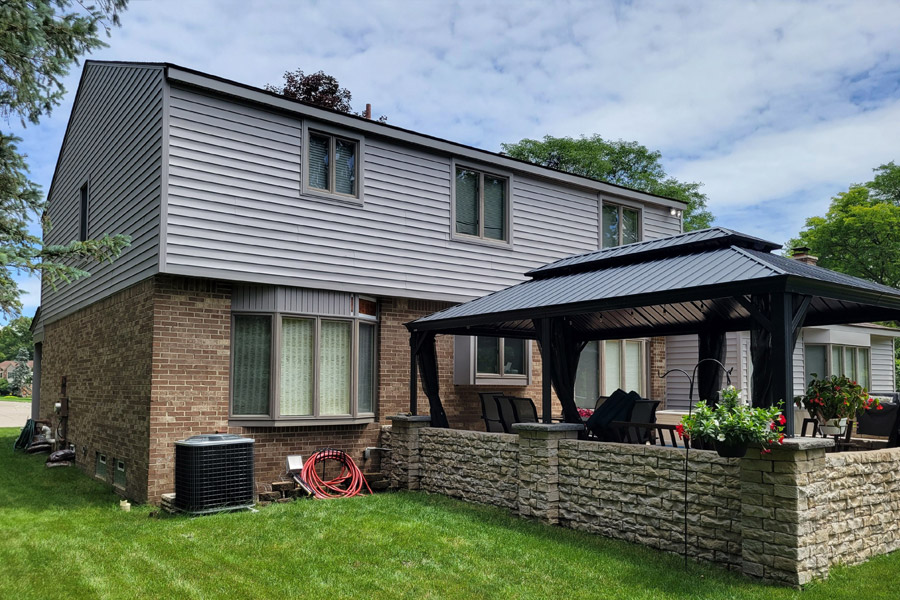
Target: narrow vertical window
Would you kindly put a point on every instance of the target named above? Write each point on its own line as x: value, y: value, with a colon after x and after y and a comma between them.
x: 612, y: 373
x: 83, y: 214
x: 335, y: 361
x: 345, y: 167
x: 297, y: 366
x: 494, y: 208
x: 251, y: 365
x: 319, y: 146
x: 466, y: 202
x: 366, y: 368
x: 587, y: 381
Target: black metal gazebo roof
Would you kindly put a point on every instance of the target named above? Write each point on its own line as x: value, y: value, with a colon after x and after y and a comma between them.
x: 705, y: 282
x: 665, y: 287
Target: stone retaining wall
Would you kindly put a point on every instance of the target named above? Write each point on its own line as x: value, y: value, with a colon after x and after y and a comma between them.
x: 636, y: 493
x: 858, y: 512
x: 784, y: 517
x: 470, y: 465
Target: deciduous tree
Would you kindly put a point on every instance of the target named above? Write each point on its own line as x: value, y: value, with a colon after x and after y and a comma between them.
x: 623, y: 163
x: 317, y: 88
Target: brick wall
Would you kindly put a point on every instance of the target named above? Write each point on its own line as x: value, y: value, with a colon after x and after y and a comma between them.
x: 656, y: 367
x: 104, y: 351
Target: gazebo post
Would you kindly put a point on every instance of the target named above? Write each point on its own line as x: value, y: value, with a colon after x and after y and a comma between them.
x: 413, y: 373
x: 783, y: 356
x: 546, y: 398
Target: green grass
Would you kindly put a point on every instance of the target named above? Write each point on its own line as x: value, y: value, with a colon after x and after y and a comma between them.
x: 14, y: 399
x: 63, y: 532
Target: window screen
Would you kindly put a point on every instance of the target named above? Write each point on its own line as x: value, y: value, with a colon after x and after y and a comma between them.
x: 366, y: 375
x: 252, y: 364
x: 610, y: 229
x: 630, y: 226
x: 815, y: 362
x: 587, y: 381
x: 487, y: 355
x: 466, y: 202
x: 319, y: 147
x: 612, y: 367
x: 514, y: 357
x: 345, y: 167
x: 494, y: 208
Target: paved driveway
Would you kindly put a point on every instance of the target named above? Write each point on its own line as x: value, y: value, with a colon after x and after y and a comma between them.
x: 14, y: 414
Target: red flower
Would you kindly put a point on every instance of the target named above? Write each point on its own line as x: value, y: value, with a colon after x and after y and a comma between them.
x: 837, y: 388
x: 781, y: 419
x: 766, y: 451
x: 879, y: 407
x: 772, y: 425
x: 781, y: 440
x: 679, y: 429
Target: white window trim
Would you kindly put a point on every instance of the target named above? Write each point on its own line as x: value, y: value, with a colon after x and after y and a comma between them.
x: 274, y: 417
x: 465, y: 365
x: 317, y: 194
x: 620, y: 204
x: 474, y: 239
x: 645, y: 361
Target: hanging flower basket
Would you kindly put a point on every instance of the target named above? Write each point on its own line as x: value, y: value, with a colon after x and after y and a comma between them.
x: 735, y: 450
x: 730, y: 427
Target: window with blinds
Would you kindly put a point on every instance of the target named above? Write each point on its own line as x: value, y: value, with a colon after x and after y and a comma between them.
x: 606, y: 366
x: 501, y: 357
x: 620, y: 225
x: 823, y: 360
x: 331, y: 163
x: 299, y: 367
x: 481, y: 205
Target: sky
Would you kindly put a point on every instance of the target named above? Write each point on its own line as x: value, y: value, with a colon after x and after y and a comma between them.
x: 773, y: 106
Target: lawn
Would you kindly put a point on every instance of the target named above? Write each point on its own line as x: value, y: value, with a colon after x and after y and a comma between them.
x: 63, y: 533
x: 14, y: 399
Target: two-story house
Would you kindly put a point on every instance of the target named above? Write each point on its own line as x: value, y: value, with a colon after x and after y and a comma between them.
x: 277, y: 249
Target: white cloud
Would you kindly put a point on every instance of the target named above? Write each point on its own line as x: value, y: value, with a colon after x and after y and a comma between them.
x: 761, y: 101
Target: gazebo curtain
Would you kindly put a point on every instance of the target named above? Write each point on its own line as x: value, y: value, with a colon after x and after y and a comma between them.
x: 424, y: 342
x: 564, y: 352
x: 709, y: 374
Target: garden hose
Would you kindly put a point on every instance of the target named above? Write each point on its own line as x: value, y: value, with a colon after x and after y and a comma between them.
x: 348, y: 483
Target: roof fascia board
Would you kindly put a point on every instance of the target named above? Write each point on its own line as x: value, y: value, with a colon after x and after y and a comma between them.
x: 766, y: 285
x: 826, y: 289
x: 250, y: 94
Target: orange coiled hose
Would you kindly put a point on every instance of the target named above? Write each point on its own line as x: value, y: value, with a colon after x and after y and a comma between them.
x: 347, y: 484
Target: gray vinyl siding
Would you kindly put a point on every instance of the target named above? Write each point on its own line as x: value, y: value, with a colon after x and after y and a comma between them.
x: 799, y: 368
x: 682, y: 352
x: 883, y: 373
x: 235, y: 212
x: 659, y: 223
x: 115, y: 144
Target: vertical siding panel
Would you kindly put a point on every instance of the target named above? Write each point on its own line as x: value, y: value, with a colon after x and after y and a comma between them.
x: 114, y: 142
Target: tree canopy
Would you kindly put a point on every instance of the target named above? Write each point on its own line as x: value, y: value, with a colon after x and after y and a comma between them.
x: 16, y: 335
x: 860, y: 233
x: 317, y: 88
x: 39, y: 42
x: 619, y: 162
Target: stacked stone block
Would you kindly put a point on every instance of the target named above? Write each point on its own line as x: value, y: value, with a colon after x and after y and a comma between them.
x: 539, y: 495
x: 636, y: 493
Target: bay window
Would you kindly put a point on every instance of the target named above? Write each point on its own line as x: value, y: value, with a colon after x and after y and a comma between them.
x: 295, y: 367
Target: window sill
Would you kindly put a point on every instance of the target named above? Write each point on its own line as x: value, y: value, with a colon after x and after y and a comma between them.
x: 315, y: 194
x: 237, y: 422
x: 478, y: 241
x: 502, y: 381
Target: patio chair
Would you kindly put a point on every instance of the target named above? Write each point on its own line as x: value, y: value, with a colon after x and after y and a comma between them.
x: 490, y: 412
x: 616, y: 408
x: 638, y: 430
x: 876, y: 422
x: 507, y: 412
x: 525, y: 410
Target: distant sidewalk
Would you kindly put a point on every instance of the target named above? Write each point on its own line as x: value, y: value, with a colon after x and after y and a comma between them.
x: 14, y: 414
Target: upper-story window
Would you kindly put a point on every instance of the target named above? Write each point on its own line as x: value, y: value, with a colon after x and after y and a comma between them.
x: 621, y: 225
x: 332, y: 165
x: 481, y: 205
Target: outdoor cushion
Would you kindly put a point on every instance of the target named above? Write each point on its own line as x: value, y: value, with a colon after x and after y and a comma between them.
x: 877, y: 422
x: 644, y: 411
x: 616, y: 408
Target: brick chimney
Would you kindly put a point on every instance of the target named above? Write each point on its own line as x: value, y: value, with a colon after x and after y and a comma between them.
x: 802, y: 254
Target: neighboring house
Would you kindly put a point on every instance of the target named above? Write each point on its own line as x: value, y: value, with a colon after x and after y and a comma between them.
x: 7, y: 366
x: 864, y: 352
x: 277, y: 249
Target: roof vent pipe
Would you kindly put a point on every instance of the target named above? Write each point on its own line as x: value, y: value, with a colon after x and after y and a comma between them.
x: 369, y: 111
x: 801, y: 253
